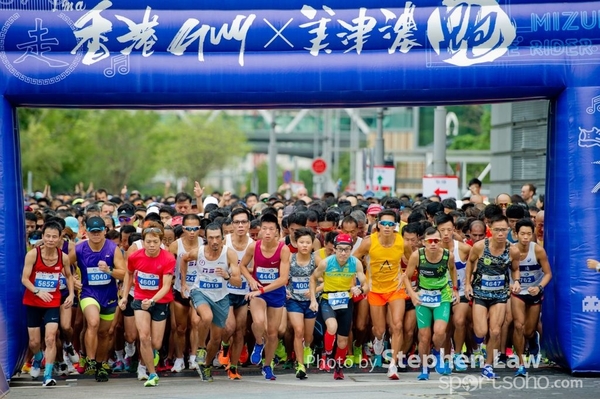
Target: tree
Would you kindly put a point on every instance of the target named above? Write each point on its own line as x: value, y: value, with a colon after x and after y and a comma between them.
x: 194, y: 146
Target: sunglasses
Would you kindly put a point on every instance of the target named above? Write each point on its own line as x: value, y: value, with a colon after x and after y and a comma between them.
x: 152, y: 230
x: 386, y: 223
x: 326, y: 229
x: 433, y: 240
x: 191, y: 228
x: 125, y: 219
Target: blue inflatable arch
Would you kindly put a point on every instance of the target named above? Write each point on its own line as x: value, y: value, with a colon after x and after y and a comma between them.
x: 334, y: 53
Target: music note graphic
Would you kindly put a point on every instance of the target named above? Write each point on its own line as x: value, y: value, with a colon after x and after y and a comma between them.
x: 595, y: 105
x: 118, y: 63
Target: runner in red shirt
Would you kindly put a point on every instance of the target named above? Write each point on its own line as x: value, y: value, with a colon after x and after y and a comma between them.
x: 41, y: 275
x: 151, y: 269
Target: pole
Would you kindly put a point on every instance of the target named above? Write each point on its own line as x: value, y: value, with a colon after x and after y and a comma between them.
x: 439, y: 142
x: 379, y: 140
x: 273, y: 157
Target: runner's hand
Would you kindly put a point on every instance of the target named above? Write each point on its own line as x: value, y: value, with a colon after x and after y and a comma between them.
x: 516, y: 287
x: 123, y: 303
x: 198, y: 190
x: 68, y: 302
x: 45, y: 296
x: 416, y: 299
x: 314, y: 306
x: 468, y: 291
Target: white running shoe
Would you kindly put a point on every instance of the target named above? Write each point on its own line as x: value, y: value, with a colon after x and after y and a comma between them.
x: 142, y: 373
x: 378, y: 345
x: 179, y: 366
x: 392, y: 372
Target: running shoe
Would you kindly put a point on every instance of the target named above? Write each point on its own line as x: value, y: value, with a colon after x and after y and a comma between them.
x: 201, y: 356
x: 338, y: 374
x: 521, y: 372
x: 256, y: 356
x: 488, y: 372
x: 267, y: 371
x: 301, y: 372
x: 205, y: 373
x: 73, y: 356
x: 392, y: 372
x: 152, y: 380
x: 179, y: 366
x: 233, y: 374
x: 49, y: 382
x: 118, y: 367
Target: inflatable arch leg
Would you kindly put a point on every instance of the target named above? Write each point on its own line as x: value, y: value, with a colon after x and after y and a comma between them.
x: 571, y: 309
x: 13, y: 336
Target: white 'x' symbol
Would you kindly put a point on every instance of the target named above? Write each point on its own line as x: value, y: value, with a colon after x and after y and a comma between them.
x: 278, y: 33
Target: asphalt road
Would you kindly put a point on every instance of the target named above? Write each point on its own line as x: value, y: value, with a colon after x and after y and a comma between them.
x: 540, y: 384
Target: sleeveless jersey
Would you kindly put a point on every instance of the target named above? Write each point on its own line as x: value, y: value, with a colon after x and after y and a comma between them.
x: 207, y: 281
x: 192, y: 270
x: 300, y: 278
x: 384, y: 265
x: 266, y: 270
x: 244, y: 289
x: 461, y: 270
x: 531, y: 271
x: 336, y: 278
x: 292, y: 248
x: 491, y: 278
x: 433, y: 286
x: 356, y: 244
x: 44, y: 278
x: 97, y: 285
x: 64, y: 290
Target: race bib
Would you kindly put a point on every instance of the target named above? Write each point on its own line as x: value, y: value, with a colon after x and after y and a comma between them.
x: 300, y: 285
x: 267, y: 275
x: 148, y: 281
x: 431, y: 298
x: 62, y: 285
x: 338, y: 300
x: 492, y: 283
x: 238, y: 290
x: 46, y: 281
x: 97, y: 277
x: 527, y: 278
x: 190, y: 277
x: 208, y: 283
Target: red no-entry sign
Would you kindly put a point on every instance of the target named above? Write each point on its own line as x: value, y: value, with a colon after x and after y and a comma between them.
x: 319, y: 166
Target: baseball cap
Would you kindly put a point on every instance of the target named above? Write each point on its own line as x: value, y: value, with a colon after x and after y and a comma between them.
x: 126, y: 210
x: 77, y: 201
x: 210, y: 200
x: 95, y: 223
x: 264, y: 196
x: 343, y: 239
x: 72, y: 223
x: 374, y: 209
x: 369, y: 194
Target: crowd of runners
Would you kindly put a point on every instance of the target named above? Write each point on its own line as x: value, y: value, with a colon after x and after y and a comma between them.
x: 126, y: 283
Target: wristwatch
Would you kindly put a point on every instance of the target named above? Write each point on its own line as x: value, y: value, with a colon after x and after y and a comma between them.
x: 152, y: 303
x: 541, y: 289
x: 228, y: 277
x: 37, y: 291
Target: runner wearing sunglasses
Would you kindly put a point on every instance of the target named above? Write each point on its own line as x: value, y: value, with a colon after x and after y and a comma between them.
x: 182, y: 312
x: 433, y: 297
x: 385, y: 249
x: 339, y: 273
x: 487, y: 281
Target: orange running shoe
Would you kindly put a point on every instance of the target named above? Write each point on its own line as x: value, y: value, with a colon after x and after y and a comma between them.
x: 244, y: 355
x: 233, y: 374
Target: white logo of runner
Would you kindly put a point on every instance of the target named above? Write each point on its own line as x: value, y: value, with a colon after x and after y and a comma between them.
x: 470, y: 31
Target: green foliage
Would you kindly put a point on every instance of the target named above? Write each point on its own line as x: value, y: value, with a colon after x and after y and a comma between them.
x: 112, y: 148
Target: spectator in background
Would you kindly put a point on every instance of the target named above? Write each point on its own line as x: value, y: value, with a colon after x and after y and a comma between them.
x: 475, y: 187
x: 540, y: 202
x: 527, y: 193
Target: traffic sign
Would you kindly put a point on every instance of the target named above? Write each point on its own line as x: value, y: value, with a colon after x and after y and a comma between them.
x: 319, y: 166
x: 287, y: 176
x: 442, y: 186
x: 384, y: 180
